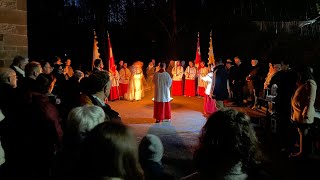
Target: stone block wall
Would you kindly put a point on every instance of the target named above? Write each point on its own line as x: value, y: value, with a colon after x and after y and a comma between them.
x: 13, y: 30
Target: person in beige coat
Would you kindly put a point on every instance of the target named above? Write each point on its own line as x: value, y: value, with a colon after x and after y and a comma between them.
x: 303, y: 110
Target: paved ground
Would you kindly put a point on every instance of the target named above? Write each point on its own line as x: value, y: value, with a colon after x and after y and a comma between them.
x: 180, y: 136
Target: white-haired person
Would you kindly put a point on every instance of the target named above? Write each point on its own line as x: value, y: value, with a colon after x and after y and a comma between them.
x: 8, y: 81
x: 81, y: 120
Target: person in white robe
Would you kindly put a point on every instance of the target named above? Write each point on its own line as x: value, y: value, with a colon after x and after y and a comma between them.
x: 202, y: 72
x: 177, y: 74
x: 162, y: 83
x: 125, y: 75
x: 135, y: 88
x: 190, y: 83
x: 209, y: 104
x: 114, y: 78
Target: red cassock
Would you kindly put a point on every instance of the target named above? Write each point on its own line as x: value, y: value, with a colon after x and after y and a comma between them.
x: 114, y: 95
x: 201, y: 91
x: 162, y: 110
x: 176, y: 88
x: 190, y: 88
x: 209, y: 105
x: 162, y: 106
x: 122, y: 89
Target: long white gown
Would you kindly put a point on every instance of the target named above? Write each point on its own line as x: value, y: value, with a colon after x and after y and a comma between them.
x: 135, y: 87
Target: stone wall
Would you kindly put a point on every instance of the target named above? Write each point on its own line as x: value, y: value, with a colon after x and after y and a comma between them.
x: 13, y: 30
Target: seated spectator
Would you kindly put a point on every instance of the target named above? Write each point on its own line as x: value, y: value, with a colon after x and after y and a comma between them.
x: 98, y: 85
x: 150, y: 155
x: 110, y: 152
x: 227, y: 149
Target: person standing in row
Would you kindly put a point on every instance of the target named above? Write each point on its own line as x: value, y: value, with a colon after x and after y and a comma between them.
x: 203, y: 71
x: 177, y: 72
x: 162, y: 83
x: 114, y: 78
x: 124, y: 80
x: 190, y: 83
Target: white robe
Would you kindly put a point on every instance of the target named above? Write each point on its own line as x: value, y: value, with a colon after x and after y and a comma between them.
x: 124, y: 76
x: 177, y: 73
x: 135, y: 86
x: 162, y: 82
x: 191, y: 73
x: 202, y: 73
x: 208, y: 79
x: 114, y: 78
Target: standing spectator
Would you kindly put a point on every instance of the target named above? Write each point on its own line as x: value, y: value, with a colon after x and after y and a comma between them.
x: 110, y: 152
x: 98, y: 87
x: 98, y: 65
x: 285, y: 80
x: 57, y: 60
x: 81, y: 120
x: 18, y: 65
x: 303, y: 110
x: 219, y: 90
x: 190, y: 82
x: 239, y: 81
x: 162, y: 83
x: 177, y: 83
x: 32, y: 70
x: 68, y: 67
x: 46, y: 67
x: 150, y: 155
x: 254, y: 80
x: 230, y: 70
x: 227, y: 148
x: 125, y: 75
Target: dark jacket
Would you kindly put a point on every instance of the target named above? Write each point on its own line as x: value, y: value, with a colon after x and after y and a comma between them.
x: 110, y: 113
x: 219, y: 84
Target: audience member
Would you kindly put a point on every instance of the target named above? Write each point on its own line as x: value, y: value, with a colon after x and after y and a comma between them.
x: 81, y: 120
x: 303, y: 111
x: 227, y: 148
x: 110, y: 152
x: 150, y: 155
x: 98, y: 89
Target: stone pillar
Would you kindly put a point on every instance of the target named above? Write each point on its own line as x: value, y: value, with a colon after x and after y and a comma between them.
x: 13, y: 30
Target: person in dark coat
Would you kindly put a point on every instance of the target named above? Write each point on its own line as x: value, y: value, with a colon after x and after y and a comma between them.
x: 254, y: 80
x: 239, y: 80
x: 219, y: 88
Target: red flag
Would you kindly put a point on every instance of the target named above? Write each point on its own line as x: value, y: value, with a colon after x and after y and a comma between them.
x: 111, y: 58
x: 198, y: 53
x: 96, y: 54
